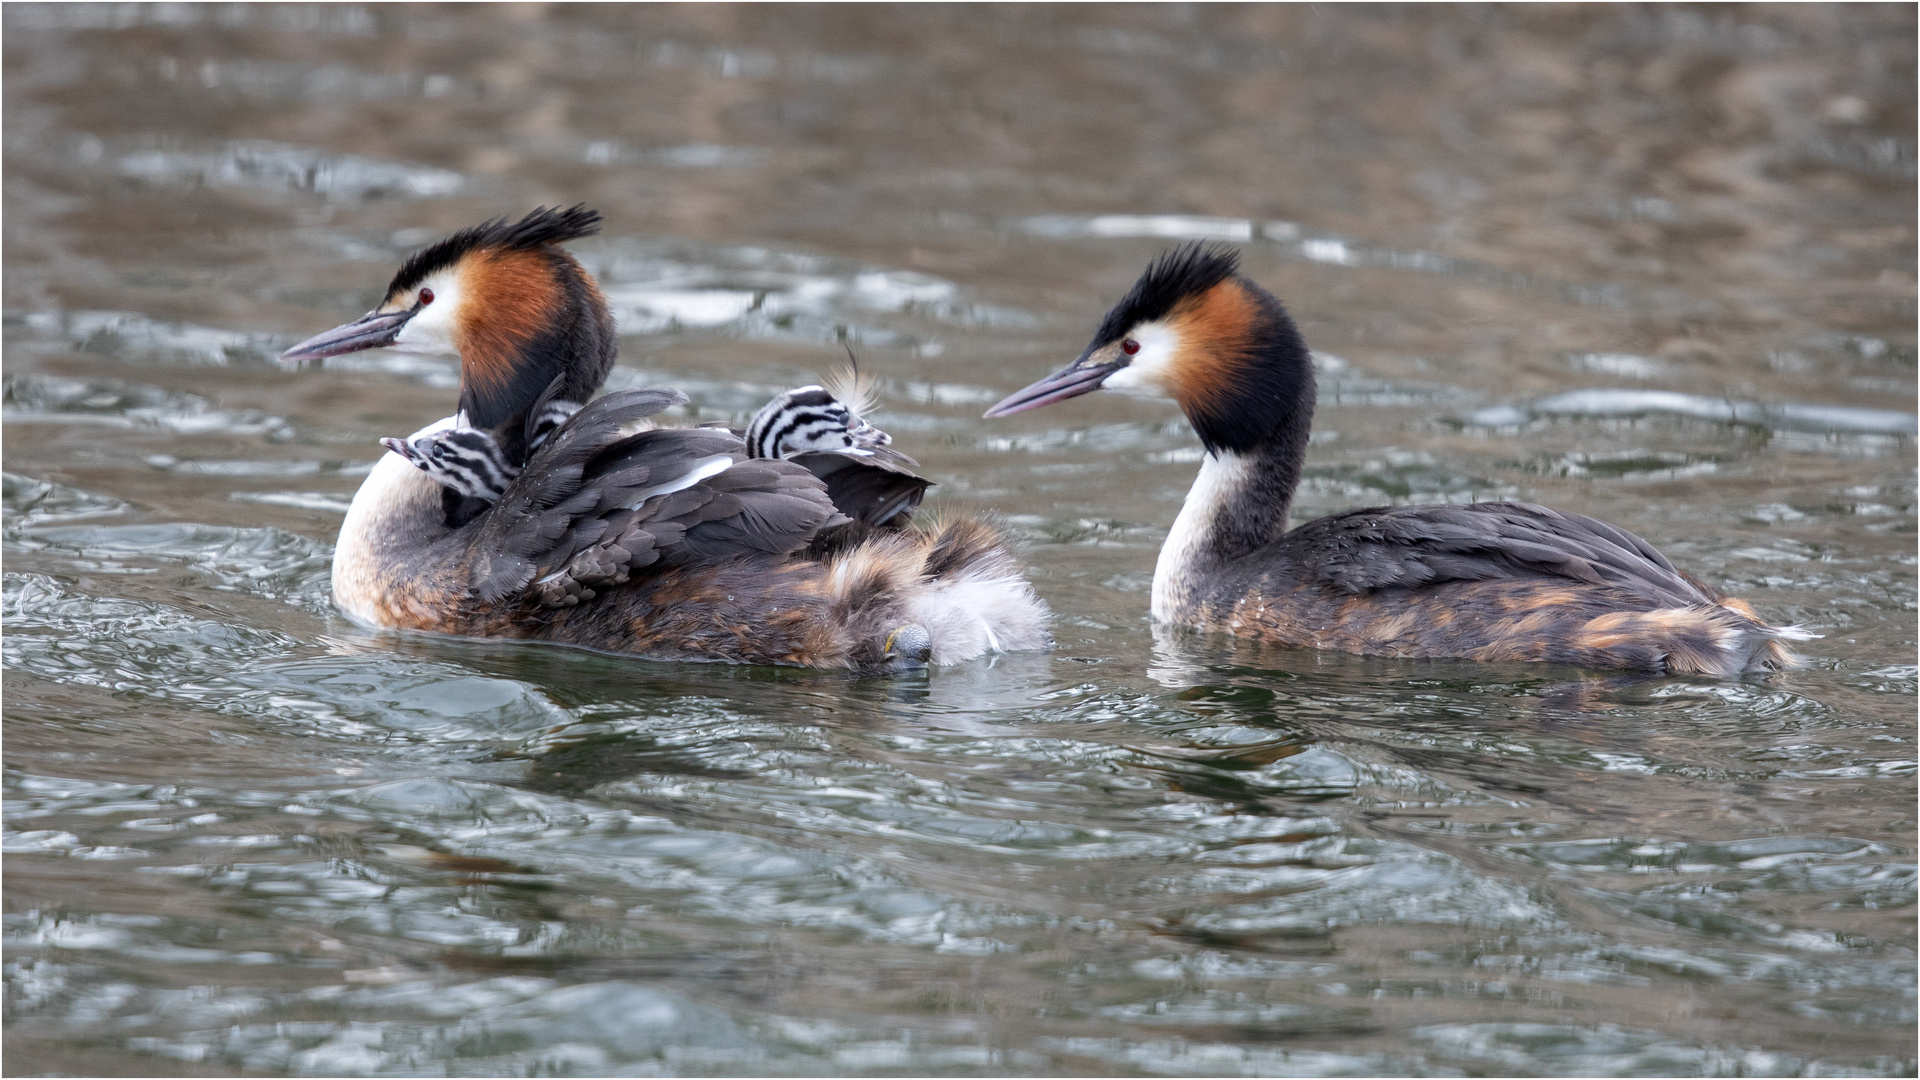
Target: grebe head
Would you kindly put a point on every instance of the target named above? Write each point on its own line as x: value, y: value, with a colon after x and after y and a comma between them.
x: 522, y: 315
x: 1194, y: 330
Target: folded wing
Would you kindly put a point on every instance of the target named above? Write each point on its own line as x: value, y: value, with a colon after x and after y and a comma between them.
x: 1410, y: 547
x: 598, y: 502
x: 872, y: 491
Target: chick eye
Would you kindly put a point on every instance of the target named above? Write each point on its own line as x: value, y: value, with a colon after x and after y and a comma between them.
x: 1129, y: 346
x: 426, y: 297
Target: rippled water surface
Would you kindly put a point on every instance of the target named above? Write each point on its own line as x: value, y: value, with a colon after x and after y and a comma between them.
x: 1655, y: 265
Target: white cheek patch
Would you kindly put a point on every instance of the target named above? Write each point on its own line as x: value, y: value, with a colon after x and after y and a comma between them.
x: 1150, y: 375
x: 431, y: 331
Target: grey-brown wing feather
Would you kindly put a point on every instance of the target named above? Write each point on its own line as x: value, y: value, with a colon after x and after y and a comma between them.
x: 1410, y: 547
x: 595, y: 504
x: 876, y: 489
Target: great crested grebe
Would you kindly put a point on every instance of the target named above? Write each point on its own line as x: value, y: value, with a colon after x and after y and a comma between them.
x: 1486, y: 581
x: 534, y: 512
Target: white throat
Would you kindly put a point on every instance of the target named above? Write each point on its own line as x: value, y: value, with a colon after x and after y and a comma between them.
x: 1176, y: 576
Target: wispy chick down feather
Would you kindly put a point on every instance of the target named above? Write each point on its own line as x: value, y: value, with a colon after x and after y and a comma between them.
x: 957, y: 579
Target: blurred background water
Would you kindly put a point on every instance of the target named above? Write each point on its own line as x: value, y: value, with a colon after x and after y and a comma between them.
x: 1654, y: 264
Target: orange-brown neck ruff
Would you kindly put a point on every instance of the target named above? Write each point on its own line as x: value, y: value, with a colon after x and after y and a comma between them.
x: 1215, y: 360
x: 512, y: 299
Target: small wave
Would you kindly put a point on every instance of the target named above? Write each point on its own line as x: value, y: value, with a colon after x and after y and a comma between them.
x: 30, y: 502
x: 299, y: 500
x: 688, y: 156
x: 283, y: 167
x: 265, y: 562
x: 38, y: 398
x: 1167, y: 226
x: 64, y: 635
x: 762, y: 293
x: 129, y: 334
x: 1791, y: 416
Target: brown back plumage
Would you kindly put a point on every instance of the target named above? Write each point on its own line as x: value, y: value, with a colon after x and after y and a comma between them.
x: 594, y: 505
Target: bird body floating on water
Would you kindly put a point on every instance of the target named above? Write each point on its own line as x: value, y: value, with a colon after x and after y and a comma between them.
x: 539, y: 512
x: 1485, y: 581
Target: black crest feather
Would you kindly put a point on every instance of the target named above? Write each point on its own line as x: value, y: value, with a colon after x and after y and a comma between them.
x: 1185, y: 271
x: 542, y: 226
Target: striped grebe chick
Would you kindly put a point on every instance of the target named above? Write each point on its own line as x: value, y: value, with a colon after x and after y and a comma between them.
x: 539, y: 512
x: 1485, y: 581
x: 458, y: 456
x: 825, y: 430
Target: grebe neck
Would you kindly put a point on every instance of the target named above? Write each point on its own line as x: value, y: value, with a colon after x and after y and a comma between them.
x: 1238, y: 504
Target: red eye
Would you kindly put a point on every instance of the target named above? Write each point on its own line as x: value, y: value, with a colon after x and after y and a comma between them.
x: 426, y: 297
x: 1129, y: 346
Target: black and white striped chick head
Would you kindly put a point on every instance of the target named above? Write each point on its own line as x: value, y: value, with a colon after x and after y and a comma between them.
x: 819, y: 418
x: 459, y: 457
x: 548, y: 416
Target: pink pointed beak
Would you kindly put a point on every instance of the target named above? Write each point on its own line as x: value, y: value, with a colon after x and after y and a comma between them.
x: 1071, y: 381
x: 369, y: 331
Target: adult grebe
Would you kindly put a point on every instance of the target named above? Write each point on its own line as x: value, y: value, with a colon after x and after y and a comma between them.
x: 597, y: 529
x: 1486, y: 581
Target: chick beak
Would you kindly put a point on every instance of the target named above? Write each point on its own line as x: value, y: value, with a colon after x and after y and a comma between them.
x: 1083, y: 376
x: 369, y: 331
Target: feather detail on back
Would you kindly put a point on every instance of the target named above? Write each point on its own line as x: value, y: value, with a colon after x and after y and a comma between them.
x: 595, y: 504
x: 1409, y: 547
x: 1489, y: 581
x: 870, y: 492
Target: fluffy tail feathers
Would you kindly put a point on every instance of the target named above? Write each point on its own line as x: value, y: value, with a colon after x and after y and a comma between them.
x: 957, y: 580
x: 1724, y: 638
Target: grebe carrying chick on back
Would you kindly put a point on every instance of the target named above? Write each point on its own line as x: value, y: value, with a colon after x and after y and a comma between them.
x: 537, y: 512
x: 1484, y: 581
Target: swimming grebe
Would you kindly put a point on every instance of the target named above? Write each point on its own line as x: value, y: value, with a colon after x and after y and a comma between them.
x: 613, y: 534
x: 1486, y: 581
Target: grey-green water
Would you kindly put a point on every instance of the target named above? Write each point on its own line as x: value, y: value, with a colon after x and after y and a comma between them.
x: 1652, y: 264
